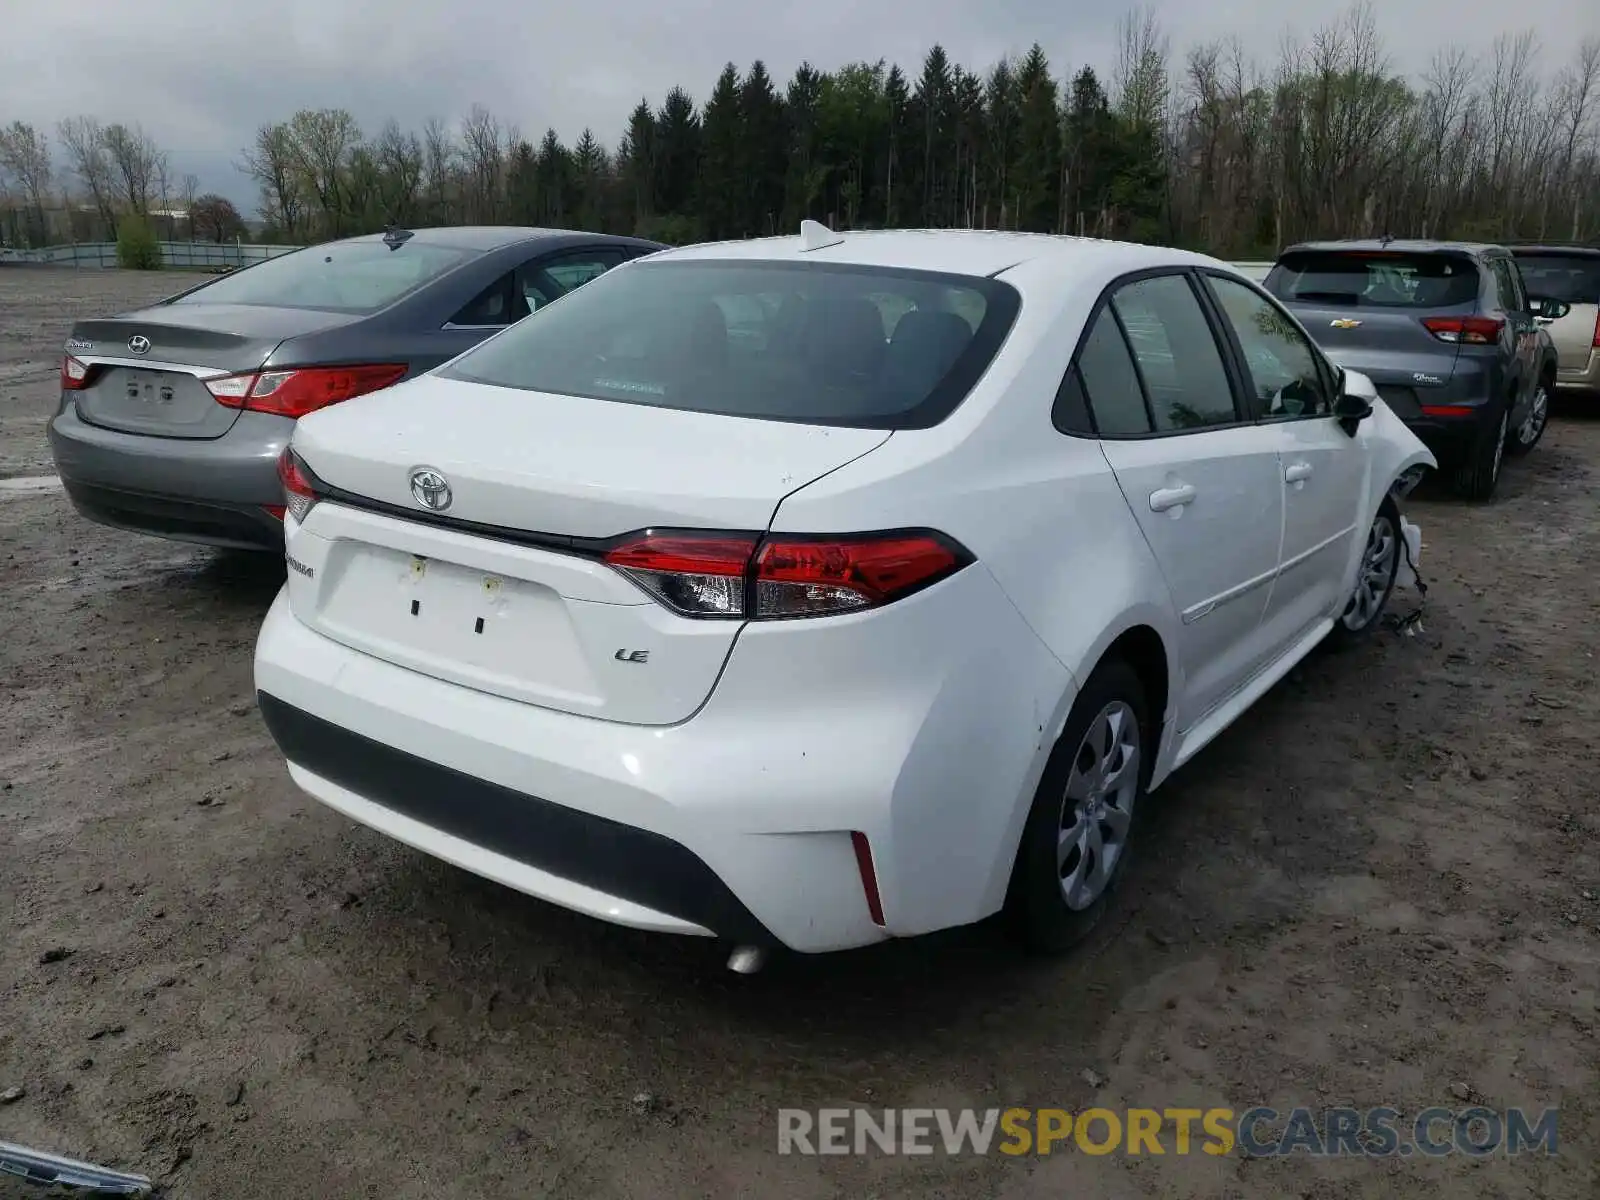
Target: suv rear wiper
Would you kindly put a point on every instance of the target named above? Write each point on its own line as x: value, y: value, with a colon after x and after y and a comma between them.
x: 54, y: 1171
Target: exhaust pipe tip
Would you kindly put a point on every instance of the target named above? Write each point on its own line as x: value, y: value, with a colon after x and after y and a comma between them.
x: 747, y: 960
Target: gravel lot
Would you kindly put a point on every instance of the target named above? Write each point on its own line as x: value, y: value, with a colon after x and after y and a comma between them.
x: 1381, y: 888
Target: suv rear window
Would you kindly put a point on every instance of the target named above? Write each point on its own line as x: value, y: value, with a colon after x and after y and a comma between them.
x: 1573, y: 278
x: 352, y: 277
x: 1377, y: 279
x: 819, y: 343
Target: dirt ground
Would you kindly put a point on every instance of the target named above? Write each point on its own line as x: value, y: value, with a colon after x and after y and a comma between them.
x: 1381, y: 888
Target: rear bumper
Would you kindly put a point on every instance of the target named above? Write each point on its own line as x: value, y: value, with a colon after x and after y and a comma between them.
x: 735, y: 823
x: 215, y: 491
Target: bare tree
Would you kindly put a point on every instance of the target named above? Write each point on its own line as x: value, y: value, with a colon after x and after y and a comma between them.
x: 25, y: 158
x: 135, y: 161
x: 1577, y: 102
x: 485, y: 163
x: 84, y: 143
x: 399, y: 158
x: 1139, y: 80
x: 271, y: 162
x: 188, y: 189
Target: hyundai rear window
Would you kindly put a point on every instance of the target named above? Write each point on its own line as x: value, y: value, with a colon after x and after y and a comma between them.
x: 352, y: 277
x: 1353, y: 279
x: 1572, y: 278
x: 818, y: 343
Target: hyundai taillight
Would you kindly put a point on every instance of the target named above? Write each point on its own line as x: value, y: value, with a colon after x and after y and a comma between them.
x: 294, y: 393
x: 706, y: 574
x: 299, y: 484
x: 74, y: 374
x: 1465, y: 331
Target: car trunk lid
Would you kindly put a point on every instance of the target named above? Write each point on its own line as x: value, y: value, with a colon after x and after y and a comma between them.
x: 148, y: 368
x: 504, y: 590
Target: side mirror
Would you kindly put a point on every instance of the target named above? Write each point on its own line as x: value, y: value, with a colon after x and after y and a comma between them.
x: 1545, y: 308
x: 1350, y: 410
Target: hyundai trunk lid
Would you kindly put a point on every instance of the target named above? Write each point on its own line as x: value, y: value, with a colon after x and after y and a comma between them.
x: 502, y: 590
x: 148, y: 368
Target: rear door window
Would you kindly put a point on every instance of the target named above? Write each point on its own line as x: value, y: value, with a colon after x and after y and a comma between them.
x: 1375, y: 279
x: 1179, y: 360
x: 351, y: 277
x: 820, y: 343
x: 1572, y: 278
x: 1111, y: 381
x: 548, y: 279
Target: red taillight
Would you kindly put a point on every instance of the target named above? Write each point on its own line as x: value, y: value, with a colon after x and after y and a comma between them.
x: 1449, y: 410
x: 1597, y: 329
x: 1465, y: 331
x: 302, y: 390
x: 697, y: 574
x: 796, y: 577
x: 742, y: 575
x: 74, y: 374
x: 299, y: 487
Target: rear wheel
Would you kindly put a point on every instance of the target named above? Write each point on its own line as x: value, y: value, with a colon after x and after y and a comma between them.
x: 1478, y: 473
x: 1526, y: 436
x: 1075, y: 844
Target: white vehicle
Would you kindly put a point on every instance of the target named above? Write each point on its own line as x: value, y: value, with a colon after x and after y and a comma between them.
x: 818, y: 590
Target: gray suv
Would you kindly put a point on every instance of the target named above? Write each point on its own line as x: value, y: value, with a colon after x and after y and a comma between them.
x: 1447, y: 332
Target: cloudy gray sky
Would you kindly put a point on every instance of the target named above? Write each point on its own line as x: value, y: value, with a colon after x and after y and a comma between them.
x: 200, y: 75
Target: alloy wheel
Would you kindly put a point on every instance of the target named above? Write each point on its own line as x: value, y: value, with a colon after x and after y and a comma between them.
x: 1097, y: 810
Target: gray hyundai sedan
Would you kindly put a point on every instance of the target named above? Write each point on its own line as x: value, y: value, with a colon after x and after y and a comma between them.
x: 172, y: 417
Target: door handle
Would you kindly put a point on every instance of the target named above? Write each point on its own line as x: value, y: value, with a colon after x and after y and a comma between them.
x: 1296, y: 472
x: 1172, y: 497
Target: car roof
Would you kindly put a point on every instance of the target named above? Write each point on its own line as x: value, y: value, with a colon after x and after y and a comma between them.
x: 1579, y: 249
x: 488, y: 237
x: 973, y: 252
x: 1400, y: 245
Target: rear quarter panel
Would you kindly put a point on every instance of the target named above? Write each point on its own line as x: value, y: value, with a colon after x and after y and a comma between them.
x: 1042, y: 513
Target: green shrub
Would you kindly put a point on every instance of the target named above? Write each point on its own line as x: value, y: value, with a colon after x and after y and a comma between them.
x: 137, y: 247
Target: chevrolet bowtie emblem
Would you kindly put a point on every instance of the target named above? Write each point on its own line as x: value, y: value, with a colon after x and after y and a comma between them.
x: 1344, y: 323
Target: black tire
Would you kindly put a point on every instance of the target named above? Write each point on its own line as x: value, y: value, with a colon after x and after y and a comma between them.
x: 1527, y: 435
x: 1346, y: 633
x: 1036, y: 903
x: 1477, y: 475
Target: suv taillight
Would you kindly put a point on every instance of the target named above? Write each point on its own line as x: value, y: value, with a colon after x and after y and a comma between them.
x: 1596, y: 341
x: 302, y: 390
x: 299, y: 484
x: 1466, y: 331
x: 708, y: 574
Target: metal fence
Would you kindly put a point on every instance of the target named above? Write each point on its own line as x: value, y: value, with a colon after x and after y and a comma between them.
x: 176, y: 256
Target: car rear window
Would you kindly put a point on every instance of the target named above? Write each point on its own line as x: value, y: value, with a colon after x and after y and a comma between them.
x: 353, y: 277
x: 818, y: 343
x: 1572, y: 278
x: 1354, y: 279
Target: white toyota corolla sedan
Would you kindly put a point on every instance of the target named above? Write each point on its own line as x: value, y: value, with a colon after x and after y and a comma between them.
x: 818, y: 590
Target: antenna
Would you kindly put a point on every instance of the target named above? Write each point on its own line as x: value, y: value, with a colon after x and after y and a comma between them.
x: 814, y: 235
x: 394, y: 237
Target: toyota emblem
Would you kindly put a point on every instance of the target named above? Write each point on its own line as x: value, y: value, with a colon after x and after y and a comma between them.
x: 139, y: 344
x: 431, y: 489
